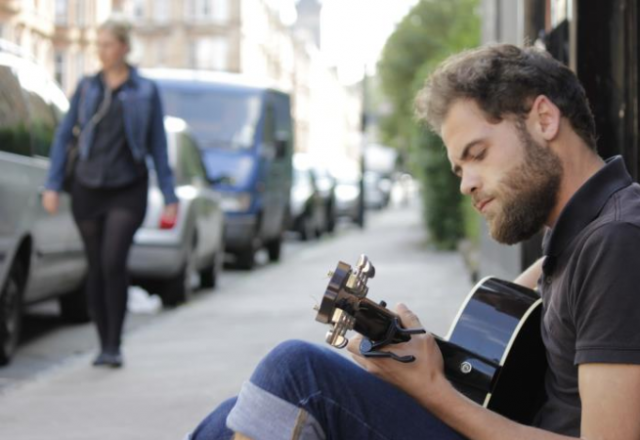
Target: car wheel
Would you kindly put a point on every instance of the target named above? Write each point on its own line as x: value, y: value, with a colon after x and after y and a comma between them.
x: 74, y: 307
x: 178, y: 289
x: 274, y: 248
x: 246, y: 258
x: 331, y: 219
x: 307, y: 230
x: 11, y: 312
x: 209, y: 275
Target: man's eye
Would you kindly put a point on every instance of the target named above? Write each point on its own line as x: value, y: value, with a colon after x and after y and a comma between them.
x: 480, y: 155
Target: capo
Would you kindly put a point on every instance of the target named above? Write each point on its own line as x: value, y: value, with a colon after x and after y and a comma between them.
x: 369, y: 348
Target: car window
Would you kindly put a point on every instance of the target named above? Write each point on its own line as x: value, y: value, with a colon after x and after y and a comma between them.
x: 43, y: 123
x: 14, y: 132
x: 190, y: 161
x: 39, y: 95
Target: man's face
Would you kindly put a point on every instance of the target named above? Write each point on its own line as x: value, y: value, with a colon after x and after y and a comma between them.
x: 512, y: 179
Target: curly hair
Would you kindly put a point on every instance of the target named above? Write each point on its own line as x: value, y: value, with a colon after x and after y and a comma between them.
x: 504, y: 80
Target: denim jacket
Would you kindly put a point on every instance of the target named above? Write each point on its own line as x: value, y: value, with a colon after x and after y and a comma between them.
x: 143, y: 122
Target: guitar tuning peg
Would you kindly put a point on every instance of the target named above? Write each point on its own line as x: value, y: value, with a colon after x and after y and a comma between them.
x: 366, y: 267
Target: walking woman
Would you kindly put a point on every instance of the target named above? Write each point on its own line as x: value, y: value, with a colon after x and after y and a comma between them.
x: 120, y: 120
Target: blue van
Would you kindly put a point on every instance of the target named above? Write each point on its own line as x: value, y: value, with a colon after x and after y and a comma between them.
x: 245, y: 133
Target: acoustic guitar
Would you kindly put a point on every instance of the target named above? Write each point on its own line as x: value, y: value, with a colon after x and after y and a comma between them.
x: 493, y: 352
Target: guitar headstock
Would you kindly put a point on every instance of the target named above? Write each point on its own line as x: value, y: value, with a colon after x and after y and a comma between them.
x: 341, y: 299
x: 345, y: 307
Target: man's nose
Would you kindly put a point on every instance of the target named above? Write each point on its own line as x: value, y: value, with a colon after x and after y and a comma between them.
x: 469, y: 183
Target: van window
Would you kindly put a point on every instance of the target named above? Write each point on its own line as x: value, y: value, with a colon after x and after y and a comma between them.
x: 225, y: 119
x: 14, y: 132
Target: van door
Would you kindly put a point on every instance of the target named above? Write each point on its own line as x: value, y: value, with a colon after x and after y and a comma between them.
x: 277, y: 149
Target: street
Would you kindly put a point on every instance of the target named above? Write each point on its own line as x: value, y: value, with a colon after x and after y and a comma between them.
x: 180, y: 363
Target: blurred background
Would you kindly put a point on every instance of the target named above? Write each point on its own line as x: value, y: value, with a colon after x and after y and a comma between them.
x: 349, y: 70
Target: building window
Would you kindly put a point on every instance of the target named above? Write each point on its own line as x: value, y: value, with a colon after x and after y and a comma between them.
x: 207, y: 10
x: 221, y: 10
x: 162, y: 11
x: 220, y: 53
x: 138, y: 8
x: 210, y: 54
x: 59, y: 69
x: 161, y: 52
x: 204, y: 54
x: 80, y: 65
x: 62, y: 11
x: 81, y: 18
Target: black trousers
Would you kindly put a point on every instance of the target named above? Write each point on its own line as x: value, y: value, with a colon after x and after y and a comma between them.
x: 107, y: 219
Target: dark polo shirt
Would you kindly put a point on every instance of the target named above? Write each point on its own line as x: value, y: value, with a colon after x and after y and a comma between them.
x: 590, y: 289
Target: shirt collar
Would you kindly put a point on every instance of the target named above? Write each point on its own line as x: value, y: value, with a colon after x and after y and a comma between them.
x: 584, y: 207
x: 132, y: 80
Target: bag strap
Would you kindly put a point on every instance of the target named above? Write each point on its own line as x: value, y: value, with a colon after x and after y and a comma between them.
x: 102, y: 109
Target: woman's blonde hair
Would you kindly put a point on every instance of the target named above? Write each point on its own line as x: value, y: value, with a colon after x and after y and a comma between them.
x: 120, y: 27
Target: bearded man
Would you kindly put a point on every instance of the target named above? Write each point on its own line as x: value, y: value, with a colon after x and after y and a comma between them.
x: 520, y: 135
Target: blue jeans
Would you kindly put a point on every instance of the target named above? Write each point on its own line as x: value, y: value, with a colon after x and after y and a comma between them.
x: 302, y: 391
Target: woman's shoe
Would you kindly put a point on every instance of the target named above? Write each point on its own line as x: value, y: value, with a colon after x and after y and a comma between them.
x: 100, y: 360
x: 113, y: 360
x: 106, y: 359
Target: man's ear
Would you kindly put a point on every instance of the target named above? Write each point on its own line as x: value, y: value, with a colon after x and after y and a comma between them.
x: 544, y: 118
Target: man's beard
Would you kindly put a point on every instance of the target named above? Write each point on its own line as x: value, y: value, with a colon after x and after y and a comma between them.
x: 528, y: 193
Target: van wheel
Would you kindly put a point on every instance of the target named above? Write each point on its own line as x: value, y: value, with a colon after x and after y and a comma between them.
x: 209, y: 275
x: 11, y: 312
x: 74, y: 307
x: 274, y: 248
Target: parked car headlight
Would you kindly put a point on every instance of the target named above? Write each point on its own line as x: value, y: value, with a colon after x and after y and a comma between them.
x: 236, y: 202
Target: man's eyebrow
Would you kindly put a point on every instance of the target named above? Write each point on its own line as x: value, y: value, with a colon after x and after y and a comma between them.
x: 465, y: 154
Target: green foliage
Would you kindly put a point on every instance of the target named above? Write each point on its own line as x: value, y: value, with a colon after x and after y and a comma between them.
x: 429, y: 33
x: 441, y: 197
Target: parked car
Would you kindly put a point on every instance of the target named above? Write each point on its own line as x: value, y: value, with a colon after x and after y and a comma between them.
x: 348, y: 199
x: 326, y: 184
x: 244, y: 131
x: 377, y: 190
x: 41, y: 255
x: 167, y: 255
x: 308, y: 216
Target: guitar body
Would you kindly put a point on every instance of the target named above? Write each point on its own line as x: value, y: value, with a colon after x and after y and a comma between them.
x: 494, y: 352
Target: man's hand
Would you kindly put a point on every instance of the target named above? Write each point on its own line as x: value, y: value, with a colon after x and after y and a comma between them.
x: 50, y: 201
x: 426, y: 372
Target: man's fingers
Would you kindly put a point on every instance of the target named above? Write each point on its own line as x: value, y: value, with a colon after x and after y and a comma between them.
x: 354, y: 344
x: 408, y: 318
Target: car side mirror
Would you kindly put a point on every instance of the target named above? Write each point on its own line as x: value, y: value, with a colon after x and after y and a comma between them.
x: 220, y: 180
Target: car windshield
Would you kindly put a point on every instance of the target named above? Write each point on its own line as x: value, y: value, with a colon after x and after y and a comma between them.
x: 217, y: 118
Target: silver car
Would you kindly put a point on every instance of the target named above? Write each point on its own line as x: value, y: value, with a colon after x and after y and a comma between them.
x: 41, y: 255
x: 167, y: 256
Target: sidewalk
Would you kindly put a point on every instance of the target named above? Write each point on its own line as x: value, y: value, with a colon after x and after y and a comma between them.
x: 178, y: 368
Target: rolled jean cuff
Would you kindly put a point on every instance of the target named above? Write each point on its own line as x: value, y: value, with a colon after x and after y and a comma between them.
x: 261, y: 415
